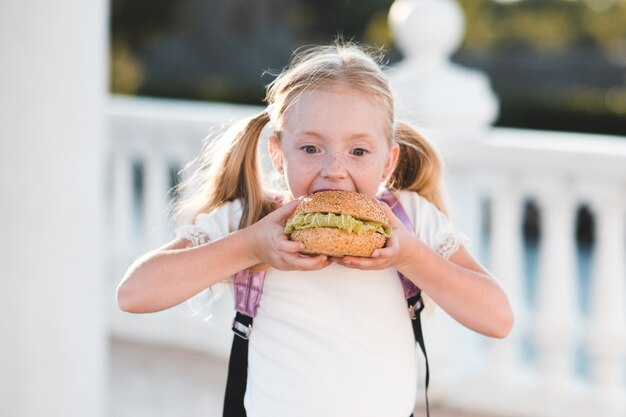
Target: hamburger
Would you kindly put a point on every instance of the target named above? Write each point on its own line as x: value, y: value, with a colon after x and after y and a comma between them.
x: 339, y: 223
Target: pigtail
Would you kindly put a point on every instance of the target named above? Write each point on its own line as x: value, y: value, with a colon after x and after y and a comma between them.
x: 419, y: 167
x: 229, y: 169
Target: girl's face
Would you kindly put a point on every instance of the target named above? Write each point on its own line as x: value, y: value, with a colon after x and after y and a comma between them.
x: 334, y: 139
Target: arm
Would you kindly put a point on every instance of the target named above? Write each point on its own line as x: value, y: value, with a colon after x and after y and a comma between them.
x: 173, y: 273
x: 459, y: 285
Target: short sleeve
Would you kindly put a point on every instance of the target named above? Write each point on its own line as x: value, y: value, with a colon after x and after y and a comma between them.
x: 432, y: 226
x: 210, y: 226
x: 213, y: 225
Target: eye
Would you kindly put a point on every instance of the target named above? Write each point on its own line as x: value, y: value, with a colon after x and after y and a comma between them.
x: 359, y: 152
x: 310, y: 149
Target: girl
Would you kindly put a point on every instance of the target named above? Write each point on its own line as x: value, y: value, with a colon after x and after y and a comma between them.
x: 332, y: 336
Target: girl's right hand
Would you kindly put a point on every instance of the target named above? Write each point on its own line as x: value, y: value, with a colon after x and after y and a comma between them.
x: 272, y: 247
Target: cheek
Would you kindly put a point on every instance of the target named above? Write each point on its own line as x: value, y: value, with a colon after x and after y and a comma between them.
x: 295, y: 162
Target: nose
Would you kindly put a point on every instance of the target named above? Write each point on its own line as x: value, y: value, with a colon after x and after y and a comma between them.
x: 333, y: 167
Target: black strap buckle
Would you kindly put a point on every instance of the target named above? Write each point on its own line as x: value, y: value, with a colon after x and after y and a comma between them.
x: 241, y: 329
x: 416, y: 308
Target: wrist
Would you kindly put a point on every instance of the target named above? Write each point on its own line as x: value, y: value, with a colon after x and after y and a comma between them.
x: 411, y: 253
x: 251, y: 243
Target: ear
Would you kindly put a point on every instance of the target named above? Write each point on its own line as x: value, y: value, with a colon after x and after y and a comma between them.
x: 276, y: 153
x: 391, y: 161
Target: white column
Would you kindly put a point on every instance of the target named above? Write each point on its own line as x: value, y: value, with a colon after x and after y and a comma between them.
x: 607, y: 333
x: 557, y: 315
x: 53, y: 84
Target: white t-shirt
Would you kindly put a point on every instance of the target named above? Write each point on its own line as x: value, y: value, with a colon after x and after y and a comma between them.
x: 334, y: 342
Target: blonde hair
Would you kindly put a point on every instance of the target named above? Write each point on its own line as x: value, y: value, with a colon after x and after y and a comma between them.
x: 229, y: 168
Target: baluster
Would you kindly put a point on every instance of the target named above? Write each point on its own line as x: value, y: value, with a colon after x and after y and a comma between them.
x: 506, y: 265
x: 467, y: 191
x: 122, y: 204
x: 156, y: 187
x: 607, y: 333
x: 557, y: 314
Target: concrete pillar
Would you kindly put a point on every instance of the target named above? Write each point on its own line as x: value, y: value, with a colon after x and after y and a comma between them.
x: 53, y: 339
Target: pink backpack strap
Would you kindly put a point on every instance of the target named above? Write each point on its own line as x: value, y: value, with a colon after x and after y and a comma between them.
x: 387, y: 197
x: 248, y: 287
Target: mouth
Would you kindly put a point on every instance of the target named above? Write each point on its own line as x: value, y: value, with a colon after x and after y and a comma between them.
x: 328, y: 189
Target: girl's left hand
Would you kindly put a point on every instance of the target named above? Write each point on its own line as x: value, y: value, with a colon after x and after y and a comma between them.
x: 391, y: 256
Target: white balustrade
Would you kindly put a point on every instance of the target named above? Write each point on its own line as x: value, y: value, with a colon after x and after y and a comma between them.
x: 170, y: 136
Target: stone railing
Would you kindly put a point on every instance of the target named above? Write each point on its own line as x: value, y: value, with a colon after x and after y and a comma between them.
x: 566, y: 355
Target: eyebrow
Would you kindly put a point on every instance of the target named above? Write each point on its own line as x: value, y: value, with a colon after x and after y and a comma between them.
x: 357, y: 135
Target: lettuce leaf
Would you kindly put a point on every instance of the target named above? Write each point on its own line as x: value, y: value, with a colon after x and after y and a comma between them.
x: 340, y: 221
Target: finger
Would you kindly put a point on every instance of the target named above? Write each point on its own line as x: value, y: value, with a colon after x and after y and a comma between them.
x: 307, y: 262
x: 287, y: 245
x: 390, y: 249
x: 393, y: 219
x: 386, y: 252
x: 321, y: 263
x: 282, y: 242
x: 394, y: 238
x: 382, y: 261
x: 285, y: 211
x: 355, y: 262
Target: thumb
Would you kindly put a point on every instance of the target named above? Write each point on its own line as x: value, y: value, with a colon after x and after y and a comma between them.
x: 285, y: 211
x: 394, y: 221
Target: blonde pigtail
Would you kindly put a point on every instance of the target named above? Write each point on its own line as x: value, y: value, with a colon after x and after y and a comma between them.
x: 419, y: 167
x: 230, y: 170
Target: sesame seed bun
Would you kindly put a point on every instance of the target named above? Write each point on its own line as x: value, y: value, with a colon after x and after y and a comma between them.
x: 346, y: 202
x: 333, y: 241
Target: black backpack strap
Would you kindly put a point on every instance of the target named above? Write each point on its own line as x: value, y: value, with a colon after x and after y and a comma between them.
x: 416, y: 305
x: 238, y: 367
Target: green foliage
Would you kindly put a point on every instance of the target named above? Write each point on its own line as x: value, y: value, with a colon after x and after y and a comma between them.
x: 544, y: 26
x: 555, y: 64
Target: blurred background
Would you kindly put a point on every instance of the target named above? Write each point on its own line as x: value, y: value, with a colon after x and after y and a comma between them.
x: 554, y: 64
x: 102, y: 104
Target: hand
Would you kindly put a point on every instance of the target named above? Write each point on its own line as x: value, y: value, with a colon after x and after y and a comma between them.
x: 396, y: 252
x: 272, y: 247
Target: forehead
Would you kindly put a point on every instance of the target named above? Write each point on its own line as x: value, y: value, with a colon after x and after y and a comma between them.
x: 339, y: 108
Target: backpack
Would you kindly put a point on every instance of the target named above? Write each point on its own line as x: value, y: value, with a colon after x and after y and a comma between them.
x: 248, y: 287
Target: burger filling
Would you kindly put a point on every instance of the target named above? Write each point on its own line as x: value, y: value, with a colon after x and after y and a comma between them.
x: 339, y: 221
